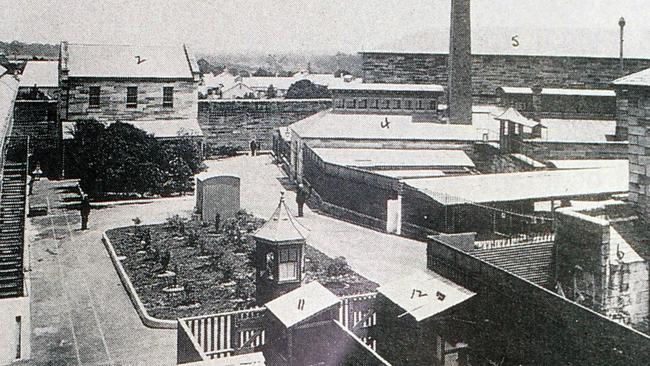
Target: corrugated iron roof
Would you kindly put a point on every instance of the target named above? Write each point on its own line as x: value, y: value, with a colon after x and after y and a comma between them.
x: 641, y: 78
x: 389, y: 87
x: 528, y: 261
x: 536, y: 185
x: 514, y: 116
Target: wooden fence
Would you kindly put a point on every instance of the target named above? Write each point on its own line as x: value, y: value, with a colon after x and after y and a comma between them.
x: 239, y: 332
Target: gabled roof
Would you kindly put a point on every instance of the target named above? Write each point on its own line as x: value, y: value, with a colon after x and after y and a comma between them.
x: 281, y: 226
x: 3, y: 70
x: 302, y: 303
x: 121, y: 61
x: 424, y: 294
x: 43, y: 74
x: 641, y: 78
x: 514, y: 116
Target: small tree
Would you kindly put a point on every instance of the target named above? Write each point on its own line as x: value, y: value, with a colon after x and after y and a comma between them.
x: 338, y: 267
x: 271, y: 92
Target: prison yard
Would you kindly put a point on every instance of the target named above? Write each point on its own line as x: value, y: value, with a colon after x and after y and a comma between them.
x: 185, y: 267
x: 395, y: 207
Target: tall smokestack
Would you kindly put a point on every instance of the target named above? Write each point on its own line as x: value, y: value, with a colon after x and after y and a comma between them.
x: 459, y: 85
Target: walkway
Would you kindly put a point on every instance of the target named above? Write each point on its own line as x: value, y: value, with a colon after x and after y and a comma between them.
x: 81, y: 313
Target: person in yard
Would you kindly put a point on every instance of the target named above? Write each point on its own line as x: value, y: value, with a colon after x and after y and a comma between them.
x: 253, y: 146
x: 84, y: 208
x: 302, y: 195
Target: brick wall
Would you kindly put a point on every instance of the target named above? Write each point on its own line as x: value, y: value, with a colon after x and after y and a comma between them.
x: 492, y: 71
x: 74, y: 100
x: 236, y: 122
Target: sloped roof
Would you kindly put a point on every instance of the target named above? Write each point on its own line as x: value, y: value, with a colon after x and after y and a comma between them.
x: 529, y: 261
x: 641, y: 78
x: 302, y: 303
x: 424, y: 294
x: 158, y: 128
x: 535, y: 185
x: 394, y: 157
x: 263, y: 82
x: 577, y: 130
x: 588, y: 163
x: 281, y: 226
x: 8, y: 90
x: 3, y: 70
x: 121, y: 61
x: 388, y: 87
x: 44, y: 74
x: 513, y: 115
x: 333, y: 125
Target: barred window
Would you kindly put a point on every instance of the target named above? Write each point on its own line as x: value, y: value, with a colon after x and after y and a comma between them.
x: 168, y: 97
x: 132, y: 97
x: 93, y: 96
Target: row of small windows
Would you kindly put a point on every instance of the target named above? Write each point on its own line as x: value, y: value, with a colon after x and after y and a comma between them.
x: 94, y: 94
x: 409, y: 104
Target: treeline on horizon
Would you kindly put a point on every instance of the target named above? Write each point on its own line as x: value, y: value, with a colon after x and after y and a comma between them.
x: 282, y: 64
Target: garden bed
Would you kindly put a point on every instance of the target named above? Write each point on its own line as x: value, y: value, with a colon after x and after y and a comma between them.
x: 214, y: 270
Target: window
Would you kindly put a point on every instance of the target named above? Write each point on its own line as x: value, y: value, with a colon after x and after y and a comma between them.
x: 408, y: 104
x: 168, y: 97
x: 352, y: 104
x: 374, y: 104
x: 386, y: 104
x: 132, y: 97
x: 433, y: 105
x: 288, y: 264
x: 19, y: 332
x: 93, y: 97
x: 340, y: 103
x: 397, y: 104
x: 363, y: 103
x: 419, y: 104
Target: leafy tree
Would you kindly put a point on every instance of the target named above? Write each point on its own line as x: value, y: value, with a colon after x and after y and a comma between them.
x: 338, y: 267
x: 123, y: 159
x: 271, y: 92
x: 305, y: 89
x: 262, y: 72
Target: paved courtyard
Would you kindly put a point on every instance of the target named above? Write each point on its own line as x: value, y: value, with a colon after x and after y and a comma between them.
x: 81, y: 313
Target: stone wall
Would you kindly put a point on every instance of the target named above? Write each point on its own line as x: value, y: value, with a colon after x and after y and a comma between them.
x: 75, y: 97
x: 492, y: 71
x: 549, y: 150
x: 633, y: 117
x: 236, y: 122
x: 525, y: 323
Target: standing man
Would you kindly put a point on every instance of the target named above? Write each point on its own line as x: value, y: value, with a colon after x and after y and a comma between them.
x: 253, y: 146
x: 301, y: 197
x: 85, y: 211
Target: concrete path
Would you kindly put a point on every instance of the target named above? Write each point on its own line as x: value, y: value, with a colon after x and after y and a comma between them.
x: 81, y: 314
x: 377, y: 256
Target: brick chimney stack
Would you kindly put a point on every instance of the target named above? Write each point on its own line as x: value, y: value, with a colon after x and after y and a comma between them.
x: 459, y: 86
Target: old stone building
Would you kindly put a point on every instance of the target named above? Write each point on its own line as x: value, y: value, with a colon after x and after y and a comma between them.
x: 132, y: 84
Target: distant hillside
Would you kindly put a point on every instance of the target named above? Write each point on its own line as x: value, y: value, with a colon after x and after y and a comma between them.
x: 28, y: 50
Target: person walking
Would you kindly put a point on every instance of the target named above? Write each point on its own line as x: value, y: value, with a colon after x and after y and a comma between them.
x: 84, y: 208
x: 253, y: 146
x: 302, y: 195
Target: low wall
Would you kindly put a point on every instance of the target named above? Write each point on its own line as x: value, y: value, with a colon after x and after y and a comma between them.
x: 546, y: 150
x: 147, y: 320
x: 236, y: 122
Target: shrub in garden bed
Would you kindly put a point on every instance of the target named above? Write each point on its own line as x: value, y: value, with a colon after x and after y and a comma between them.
x: 214, y: 268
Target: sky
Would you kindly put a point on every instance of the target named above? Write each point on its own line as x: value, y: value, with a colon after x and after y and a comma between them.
x: 324, y: 26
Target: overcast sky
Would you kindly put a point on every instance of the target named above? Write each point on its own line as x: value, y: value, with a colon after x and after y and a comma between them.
x: 314, y: 26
